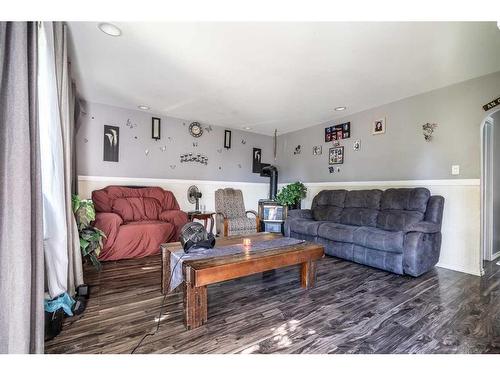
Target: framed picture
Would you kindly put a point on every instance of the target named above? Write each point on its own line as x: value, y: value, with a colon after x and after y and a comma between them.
x: 111, y: 143
x: 227, y: 139
x: 357, y: 145
x: 338, y: 132
x: 317, y: 150
x: 379, y: 126
x: 336, y: 155
x: 256, y: 160
x: 155, y: 128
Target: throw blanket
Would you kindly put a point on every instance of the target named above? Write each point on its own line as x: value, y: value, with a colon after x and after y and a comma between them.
x: 178, y: 257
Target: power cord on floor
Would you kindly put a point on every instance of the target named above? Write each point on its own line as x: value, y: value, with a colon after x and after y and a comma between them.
x: 161, y: 309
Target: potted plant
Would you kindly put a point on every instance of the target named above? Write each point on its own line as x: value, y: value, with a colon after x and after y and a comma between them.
x: 291, y: 195
x: 91, y: 238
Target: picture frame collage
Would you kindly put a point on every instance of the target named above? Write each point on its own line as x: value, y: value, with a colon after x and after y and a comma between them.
x: 338, y: 132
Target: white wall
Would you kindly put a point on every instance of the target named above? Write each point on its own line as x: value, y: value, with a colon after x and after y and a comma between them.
x: 461, y: 225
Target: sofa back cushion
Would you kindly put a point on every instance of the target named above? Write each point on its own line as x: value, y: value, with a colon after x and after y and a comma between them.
x: 400, y: 208
x: 328, y: 205
x: 137, y: 209
x: 361, y: 207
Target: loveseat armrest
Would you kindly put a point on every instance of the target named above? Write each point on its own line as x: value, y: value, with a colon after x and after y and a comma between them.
x: 301, y: 214
x: 109, y: 223
x: 252, y: 212
x: 176, y: 217
x: 424, y: 227
x: 434, y: 209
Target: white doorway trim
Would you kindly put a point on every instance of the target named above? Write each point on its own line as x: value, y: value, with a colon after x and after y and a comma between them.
x: 487, y: 193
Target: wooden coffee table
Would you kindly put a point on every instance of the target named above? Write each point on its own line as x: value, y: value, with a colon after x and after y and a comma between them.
x: 198, y: 274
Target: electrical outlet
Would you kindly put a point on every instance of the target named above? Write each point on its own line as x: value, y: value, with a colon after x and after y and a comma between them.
x: 455, y: 170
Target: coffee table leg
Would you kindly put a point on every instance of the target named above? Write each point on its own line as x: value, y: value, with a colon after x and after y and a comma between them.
x: 308, y: 274
x: 165, y: 270
x: 195, y: 306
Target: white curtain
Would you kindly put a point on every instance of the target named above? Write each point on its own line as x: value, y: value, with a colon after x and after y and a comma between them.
x: 56, y: 119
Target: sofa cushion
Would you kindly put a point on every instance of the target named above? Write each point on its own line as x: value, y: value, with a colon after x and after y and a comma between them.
x: 398, y: 220
x: 414, y: 199
x: 379, y: 239
x: 337, y: 232
x: 137, y: 209
x: 327, y: 205
x: 363, y: 199
x: 305, y: 226
x: 361, y: 207
x: 359, y: 216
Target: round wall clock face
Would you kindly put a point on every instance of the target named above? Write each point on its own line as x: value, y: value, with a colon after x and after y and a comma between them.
x: 195, y: 129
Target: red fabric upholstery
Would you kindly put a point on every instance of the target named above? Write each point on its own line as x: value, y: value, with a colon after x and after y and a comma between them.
x: 136, y: 220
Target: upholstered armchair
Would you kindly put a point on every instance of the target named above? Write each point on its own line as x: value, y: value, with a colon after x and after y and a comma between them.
x: 231, y: 215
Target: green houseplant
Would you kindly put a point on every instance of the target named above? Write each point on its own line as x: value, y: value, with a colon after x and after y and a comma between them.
x: 291, y: 195
x: 91, y: 238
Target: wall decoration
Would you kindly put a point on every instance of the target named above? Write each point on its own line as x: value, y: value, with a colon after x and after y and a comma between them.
x: 172, y: 166
x: 275, y: 143
x: 357, y: 145
x: 297, y: 150
x: 491, y: 104
x: 85, y: 140
x: 209, y: 128
x: 155, y: 128
x: 243, y: 142
x: 130, y: 124
x: 257, y: 160
x: 111, y: 143
x: 239, y: 165
x: 333, y: 169
x: 163, y: 148
x: 336, y: 155
x: 317, y: 150
x: 195, y: 144
x: 195, y: 129
x: 227, y: 139
x: 198, y: 158
x: 427, y: 130
x: 379, y: 126
x: 338, y: 132
x: 335, y: 143
x: 146, y: 151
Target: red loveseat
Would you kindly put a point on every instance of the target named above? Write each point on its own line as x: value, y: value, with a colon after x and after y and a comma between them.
x: 136, y: 220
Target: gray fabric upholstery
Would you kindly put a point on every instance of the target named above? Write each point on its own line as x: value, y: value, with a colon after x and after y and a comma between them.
x: 337, y: 232
x: 392, y: 262
x: 303, y: 214
x: 397, y: 230
x: 328, y: 204
x: 379, y: 239
x: 397, y: 220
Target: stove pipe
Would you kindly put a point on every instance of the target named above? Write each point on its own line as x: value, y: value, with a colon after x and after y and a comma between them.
x: 272, y: 172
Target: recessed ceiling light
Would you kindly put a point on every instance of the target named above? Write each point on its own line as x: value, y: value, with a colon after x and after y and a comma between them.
x: 340, y: 108
x: 110, y: 29
x: 144, y: 107
x: 247, y: 128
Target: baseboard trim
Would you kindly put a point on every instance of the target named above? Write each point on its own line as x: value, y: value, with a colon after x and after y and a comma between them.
x: 459, y: 269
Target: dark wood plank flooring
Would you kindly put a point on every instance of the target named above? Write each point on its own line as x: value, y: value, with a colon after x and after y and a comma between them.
x: 352, y: 309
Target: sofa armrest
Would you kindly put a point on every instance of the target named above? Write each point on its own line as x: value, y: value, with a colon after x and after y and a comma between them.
x: 434, y: 210
x: 424, y: 227
x: 109, y: 223
x: 252, y: 212
x: 302, y: 214
x: 176, y: 217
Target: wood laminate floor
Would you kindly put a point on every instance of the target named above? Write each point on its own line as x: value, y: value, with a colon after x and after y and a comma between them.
x: 352, y: 309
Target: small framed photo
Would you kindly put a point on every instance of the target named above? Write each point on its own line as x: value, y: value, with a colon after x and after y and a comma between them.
x: 227, y: 139
x: 317, y: 150
x: 336, y: 155
x: 357, y: 145
x: 379, y: 126
x: 155, y: 128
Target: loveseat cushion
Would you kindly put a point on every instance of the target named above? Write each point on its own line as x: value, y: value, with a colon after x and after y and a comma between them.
x: 137, y: 209
x: 327, y: 205
x: 361, y: 207
x: 305, y: 226
x: 401, y: 208
x: 337, y: 232
x: 379, y: 239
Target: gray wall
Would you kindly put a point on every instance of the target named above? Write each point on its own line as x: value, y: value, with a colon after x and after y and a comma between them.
x: 234, y: 164
x: 401, y: 153
x: 495, y: 133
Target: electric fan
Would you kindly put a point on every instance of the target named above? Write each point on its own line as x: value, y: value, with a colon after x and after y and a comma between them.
x: 194, y: 195
x: 194, y: 236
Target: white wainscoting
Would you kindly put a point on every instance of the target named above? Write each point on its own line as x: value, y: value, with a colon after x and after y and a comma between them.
x: 252, y: 191
x: 461, y: 218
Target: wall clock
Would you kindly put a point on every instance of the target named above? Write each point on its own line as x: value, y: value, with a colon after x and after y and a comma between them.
x: 195, y: 129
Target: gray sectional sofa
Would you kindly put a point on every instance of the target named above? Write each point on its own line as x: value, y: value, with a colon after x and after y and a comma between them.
x: 398, y: 230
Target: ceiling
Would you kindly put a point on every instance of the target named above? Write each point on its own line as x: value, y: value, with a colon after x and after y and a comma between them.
x: 264, y: 76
